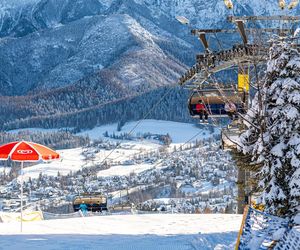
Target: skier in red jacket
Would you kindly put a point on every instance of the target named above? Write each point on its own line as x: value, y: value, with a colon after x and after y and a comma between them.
x: 201, y: 110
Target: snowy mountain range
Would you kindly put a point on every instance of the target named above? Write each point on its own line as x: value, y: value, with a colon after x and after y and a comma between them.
x: 55, y: 43
x: 123, y: 47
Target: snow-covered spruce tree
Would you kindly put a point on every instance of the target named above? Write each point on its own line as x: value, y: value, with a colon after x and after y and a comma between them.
x: 273, y: 134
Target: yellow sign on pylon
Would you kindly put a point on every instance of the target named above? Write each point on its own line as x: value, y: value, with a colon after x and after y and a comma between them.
x: 243, y: 83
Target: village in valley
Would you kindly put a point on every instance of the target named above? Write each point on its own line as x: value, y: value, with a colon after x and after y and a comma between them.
x: 153, y: 170
x: 149, y: 124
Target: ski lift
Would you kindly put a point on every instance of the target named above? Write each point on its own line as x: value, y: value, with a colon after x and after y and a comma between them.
x: 228, y: 4
x: 94, y: 202
x: 215, y: 100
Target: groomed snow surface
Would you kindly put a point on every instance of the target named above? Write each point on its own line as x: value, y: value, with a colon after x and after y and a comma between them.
x: 126, y: 232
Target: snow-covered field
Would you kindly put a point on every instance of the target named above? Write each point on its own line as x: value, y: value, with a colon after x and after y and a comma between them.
x: 159, y: 231
x: 73, y: 161
x: 124, y: 170
x: 179, y: 132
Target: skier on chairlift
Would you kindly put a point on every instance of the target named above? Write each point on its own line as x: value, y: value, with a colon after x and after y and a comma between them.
x: 202, y: 111
x: 230, y: 109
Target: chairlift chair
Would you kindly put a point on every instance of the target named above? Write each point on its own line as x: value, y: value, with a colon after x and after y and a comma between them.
x: 214, y: 99
x: 95, y: 202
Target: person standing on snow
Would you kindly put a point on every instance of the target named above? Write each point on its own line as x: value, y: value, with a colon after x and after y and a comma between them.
x: 84, y: 208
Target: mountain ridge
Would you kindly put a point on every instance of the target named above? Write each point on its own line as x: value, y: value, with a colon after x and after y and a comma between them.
x: 67, y: 53
x: 125, y: 48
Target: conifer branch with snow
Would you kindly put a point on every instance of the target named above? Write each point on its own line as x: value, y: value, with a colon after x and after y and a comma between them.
x: 276, y: 145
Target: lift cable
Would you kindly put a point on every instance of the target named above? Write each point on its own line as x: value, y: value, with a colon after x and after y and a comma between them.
x: 184, y: 144
x: 134, y: 128
x: 139, y: 122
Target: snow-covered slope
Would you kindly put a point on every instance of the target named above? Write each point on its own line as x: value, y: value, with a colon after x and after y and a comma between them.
x: 210, y: 13
x: 6, y: 4
x: 73, y: 159
x: 71, y: 45
x: 63, y: 55
x: 179, y: 132
x: 61, y: 41
x: 124, y: 232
